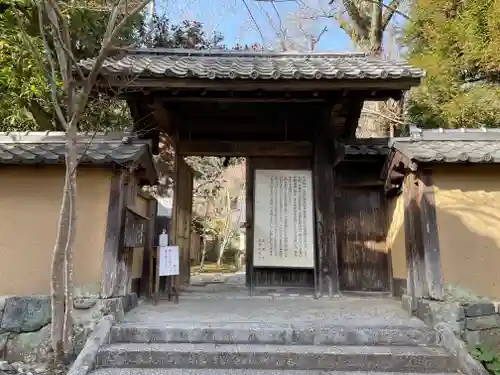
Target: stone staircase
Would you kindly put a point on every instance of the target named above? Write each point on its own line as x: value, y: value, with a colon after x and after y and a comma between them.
x: 185, y: 348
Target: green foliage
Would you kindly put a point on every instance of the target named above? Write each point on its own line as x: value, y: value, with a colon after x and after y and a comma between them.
x: 457, y: 43
x: 24, y: 94
x: 25, y: 100
x: 487, y: 356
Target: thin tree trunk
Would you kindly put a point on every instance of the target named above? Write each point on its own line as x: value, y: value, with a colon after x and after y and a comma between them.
x: 222, y: 248
x: 71, y: 163
x: 57, y: 276
x: 203, y: 252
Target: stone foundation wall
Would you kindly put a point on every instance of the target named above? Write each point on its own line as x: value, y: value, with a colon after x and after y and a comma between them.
x: 475, y: 321
x: 25, y: 323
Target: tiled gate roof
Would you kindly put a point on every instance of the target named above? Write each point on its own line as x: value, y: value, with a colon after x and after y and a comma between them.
x: 180, y: 63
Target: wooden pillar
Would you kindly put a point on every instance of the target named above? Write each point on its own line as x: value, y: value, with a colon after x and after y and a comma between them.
x: 249, y: 182
x: 324, y: 202
x: 125, y: 251
x: 124, y: 284
x: 147, y: 271
x: 413, y: 240
x: 430, y: 237
x: 114, y: 234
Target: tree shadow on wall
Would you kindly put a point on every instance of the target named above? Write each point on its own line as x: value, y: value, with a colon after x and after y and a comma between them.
x: 470, y: 259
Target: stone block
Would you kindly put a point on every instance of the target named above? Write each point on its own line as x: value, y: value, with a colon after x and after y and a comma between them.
x: 134, y: 301
x: 26, y: 314
x: 296, y: 357
x: 456, y: 347
x: 241, y: 334
x: 112, y: 306
x: 483, y: 322
x: 479, y: 308
x: 129, y: 301
x: 406, y: 302
x: 3, y: 299
x: 490, y: 337
x: 84, y: 303
x: 434, y: 312
x: 471, y: 337
x: 29, y: 347
x: 80, y: 334
x: 3, y: 343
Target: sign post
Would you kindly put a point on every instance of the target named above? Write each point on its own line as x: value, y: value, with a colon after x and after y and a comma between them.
x: 167, y: 264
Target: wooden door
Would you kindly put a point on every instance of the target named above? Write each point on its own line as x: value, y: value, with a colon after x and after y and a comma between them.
x: 363, y: 260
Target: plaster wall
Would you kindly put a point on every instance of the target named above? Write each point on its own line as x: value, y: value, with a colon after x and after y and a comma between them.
x: 468, y: 218
x: 30, y: 200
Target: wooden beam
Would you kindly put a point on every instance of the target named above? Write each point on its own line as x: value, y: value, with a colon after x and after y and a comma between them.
x: 265, y: 85
x: 147, y: 271
x: 201, y: 99
x: 324, y: 201
x: 430, y: 238
x: 243, y: 148
x: 125, y: 254
x: 113, y: 237
x: 413, y: 241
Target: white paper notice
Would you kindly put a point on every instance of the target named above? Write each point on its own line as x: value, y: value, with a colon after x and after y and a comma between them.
x: 163, y: 240
x: 169, y: 260
x: 283, y: 223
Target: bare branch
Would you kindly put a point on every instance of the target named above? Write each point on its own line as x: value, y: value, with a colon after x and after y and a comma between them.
x: 390, y: 10
x: 51, y: 77
x: 387, y: 117
x: 254, y: 21
x: 103, y: 53
x: 316, y: 40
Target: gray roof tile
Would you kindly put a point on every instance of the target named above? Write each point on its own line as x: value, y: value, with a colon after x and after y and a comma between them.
x: 180, y: 63
x: 49, y: 148
x: 450, y: 145
x: 370, y: 147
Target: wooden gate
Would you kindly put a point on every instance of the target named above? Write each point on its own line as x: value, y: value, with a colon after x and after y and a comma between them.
x: 181, y: 217
x: 363, y: 260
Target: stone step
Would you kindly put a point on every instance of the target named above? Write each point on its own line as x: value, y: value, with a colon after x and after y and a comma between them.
x: 298, y: 357
x: 279, y: 334
x: 183, y: 371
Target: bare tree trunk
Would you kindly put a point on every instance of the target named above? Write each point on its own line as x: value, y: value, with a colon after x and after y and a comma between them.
x: 71, y: 163
x: 227, y: 231
x: 53, y: 25
x: 57, y: 276
x: 203, y: 251
x: 222, y: 248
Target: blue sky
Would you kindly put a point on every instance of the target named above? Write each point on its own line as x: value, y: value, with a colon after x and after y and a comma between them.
x: 233, y: 20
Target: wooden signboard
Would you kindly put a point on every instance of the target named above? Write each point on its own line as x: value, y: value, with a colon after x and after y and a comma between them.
x: 283, y: 222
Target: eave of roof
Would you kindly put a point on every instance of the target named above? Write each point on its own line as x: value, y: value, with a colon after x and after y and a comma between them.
x: 98, y: 149
x: 439, y: 146
x: 481, y: 145
x: 210, y: 64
